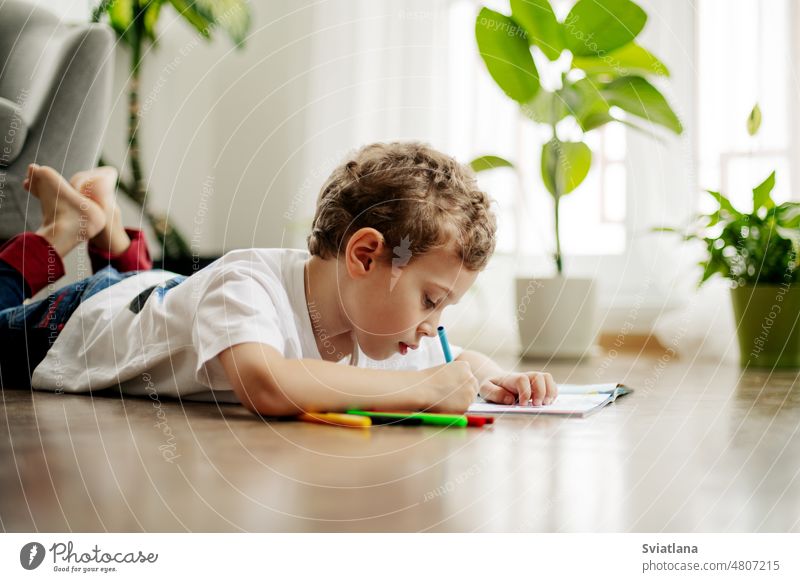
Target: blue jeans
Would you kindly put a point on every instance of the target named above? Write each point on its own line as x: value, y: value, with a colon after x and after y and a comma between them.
x: 28, y: 331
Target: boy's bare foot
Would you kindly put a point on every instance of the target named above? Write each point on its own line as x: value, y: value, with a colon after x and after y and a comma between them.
x: 67, y: 217
x: 100, y: 185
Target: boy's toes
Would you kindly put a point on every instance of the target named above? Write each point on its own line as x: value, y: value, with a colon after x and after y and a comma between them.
x: 97, y: 183
x: 108, y: 172
x: 79, y: 178
x: 26, y: 183
x: 33, y: 180
x: 42, y: 175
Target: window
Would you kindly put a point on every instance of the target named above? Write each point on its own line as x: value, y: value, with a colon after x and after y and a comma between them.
x: 744, y: 58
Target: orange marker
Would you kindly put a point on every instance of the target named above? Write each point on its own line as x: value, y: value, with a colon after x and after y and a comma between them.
x: 336, y: 419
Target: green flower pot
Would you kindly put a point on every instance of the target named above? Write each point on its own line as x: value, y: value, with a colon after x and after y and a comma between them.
x: 768, y: 325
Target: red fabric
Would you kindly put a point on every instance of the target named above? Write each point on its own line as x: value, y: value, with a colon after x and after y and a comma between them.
x: 40, y: 264
x: 34, y: 257
x: 135, y: 258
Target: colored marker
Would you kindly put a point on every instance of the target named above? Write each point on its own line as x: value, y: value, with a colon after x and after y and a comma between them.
x: 336, y: 419
x: 404, y: 421
x: 475, y: 420
x: 426, y: 417
x: 448, y: 356
x: 472, y: 420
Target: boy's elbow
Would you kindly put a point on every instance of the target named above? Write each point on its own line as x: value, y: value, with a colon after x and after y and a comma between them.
x: 253, y: 372
x: 267, y: 397
x: 257, y: 397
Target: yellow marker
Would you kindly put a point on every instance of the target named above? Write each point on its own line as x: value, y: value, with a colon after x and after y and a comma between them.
x: 336, y: 419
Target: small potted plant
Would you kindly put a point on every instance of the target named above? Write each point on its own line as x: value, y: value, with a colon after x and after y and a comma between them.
x: 757, y: 251
x: 603, y: 77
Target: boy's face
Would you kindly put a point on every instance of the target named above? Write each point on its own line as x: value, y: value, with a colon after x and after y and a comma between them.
x: 391, y: 307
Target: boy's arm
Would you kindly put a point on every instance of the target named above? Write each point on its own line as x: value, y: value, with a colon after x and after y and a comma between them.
x: 269, y: 384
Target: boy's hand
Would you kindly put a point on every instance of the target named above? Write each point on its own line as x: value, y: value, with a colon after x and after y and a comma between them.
x: 520, y: 386
x: 450, y: 387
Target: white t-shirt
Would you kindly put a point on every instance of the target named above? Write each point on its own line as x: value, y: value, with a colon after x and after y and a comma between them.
x: 168, y: 345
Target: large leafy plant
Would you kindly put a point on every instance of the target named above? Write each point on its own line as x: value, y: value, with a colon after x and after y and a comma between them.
x: 602, y: 73
x: 135, y: 24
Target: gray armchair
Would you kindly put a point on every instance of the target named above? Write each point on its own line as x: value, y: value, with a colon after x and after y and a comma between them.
x: 55, y: 88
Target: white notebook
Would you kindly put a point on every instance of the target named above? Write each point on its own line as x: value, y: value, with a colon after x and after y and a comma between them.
x: 572, y: 400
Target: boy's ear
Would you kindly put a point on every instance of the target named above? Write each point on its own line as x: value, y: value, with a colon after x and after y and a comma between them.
x: 363, y: 251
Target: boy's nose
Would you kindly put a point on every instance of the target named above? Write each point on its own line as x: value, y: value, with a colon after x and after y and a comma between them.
x: 427, y: 328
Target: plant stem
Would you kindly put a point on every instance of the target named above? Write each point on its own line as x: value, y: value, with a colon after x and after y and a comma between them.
x: 559, y: 265
x: 172, y: 243
x: 101, y: 9
x: 556, y: 193
x: 137, y: 36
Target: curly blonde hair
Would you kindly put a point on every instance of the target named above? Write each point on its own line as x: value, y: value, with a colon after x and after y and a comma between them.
x: 416, y: 197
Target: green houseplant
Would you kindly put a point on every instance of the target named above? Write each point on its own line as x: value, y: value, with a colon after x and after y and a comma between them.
x: 603, y: 77
x: 757, y: 252
x: 135, y: 22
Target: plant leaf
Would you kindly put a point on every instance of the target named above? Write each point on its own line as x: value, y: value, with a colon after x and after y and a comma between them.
x: 540, y: 24
x: 232, y: 16
x: 186, y: 9
x: 791, y: 234
x: 120, y: 17
x: 483, y: 163
x: 788, y: 214
x: 565, y: 165
x: 725, y: 204
x: 546, y: 107
x: 151, y: 14
x: 595, y: 27
x: 637, y: 96
x: 710, y: 268
x: 595, y: 120
x: 504, y: 48
x: 761, y: 194
x: 754, y: 120
x: 626, y: 60
x: 586, y: 103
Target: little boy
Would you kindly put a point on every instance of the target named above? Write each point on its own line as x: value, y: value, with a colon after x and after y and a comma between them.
x: 400, y: 232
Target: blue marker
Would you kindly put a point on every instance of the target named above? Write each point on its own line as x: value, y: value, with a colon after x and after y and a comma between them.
x: 448, y: 357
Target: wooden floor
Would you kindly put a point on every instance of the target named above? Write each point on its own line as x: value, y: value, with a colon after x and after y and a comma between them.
x: 694, y: 448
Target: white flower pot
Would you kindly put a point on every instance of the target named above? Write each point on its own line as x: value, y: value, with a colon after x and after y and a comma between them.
x: 556, y: 317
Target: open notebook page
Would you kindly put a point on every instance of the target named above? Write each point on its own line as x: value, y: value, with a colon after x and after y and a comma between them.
x: 573, y: 399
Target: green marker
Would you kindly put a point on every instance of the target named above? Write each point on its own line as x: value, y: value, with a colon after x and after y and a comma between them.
x: 425, y: 417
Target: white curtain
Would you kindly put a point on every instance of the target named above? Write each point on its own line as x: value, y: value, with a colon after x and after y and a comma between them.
x: 376, y: 73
